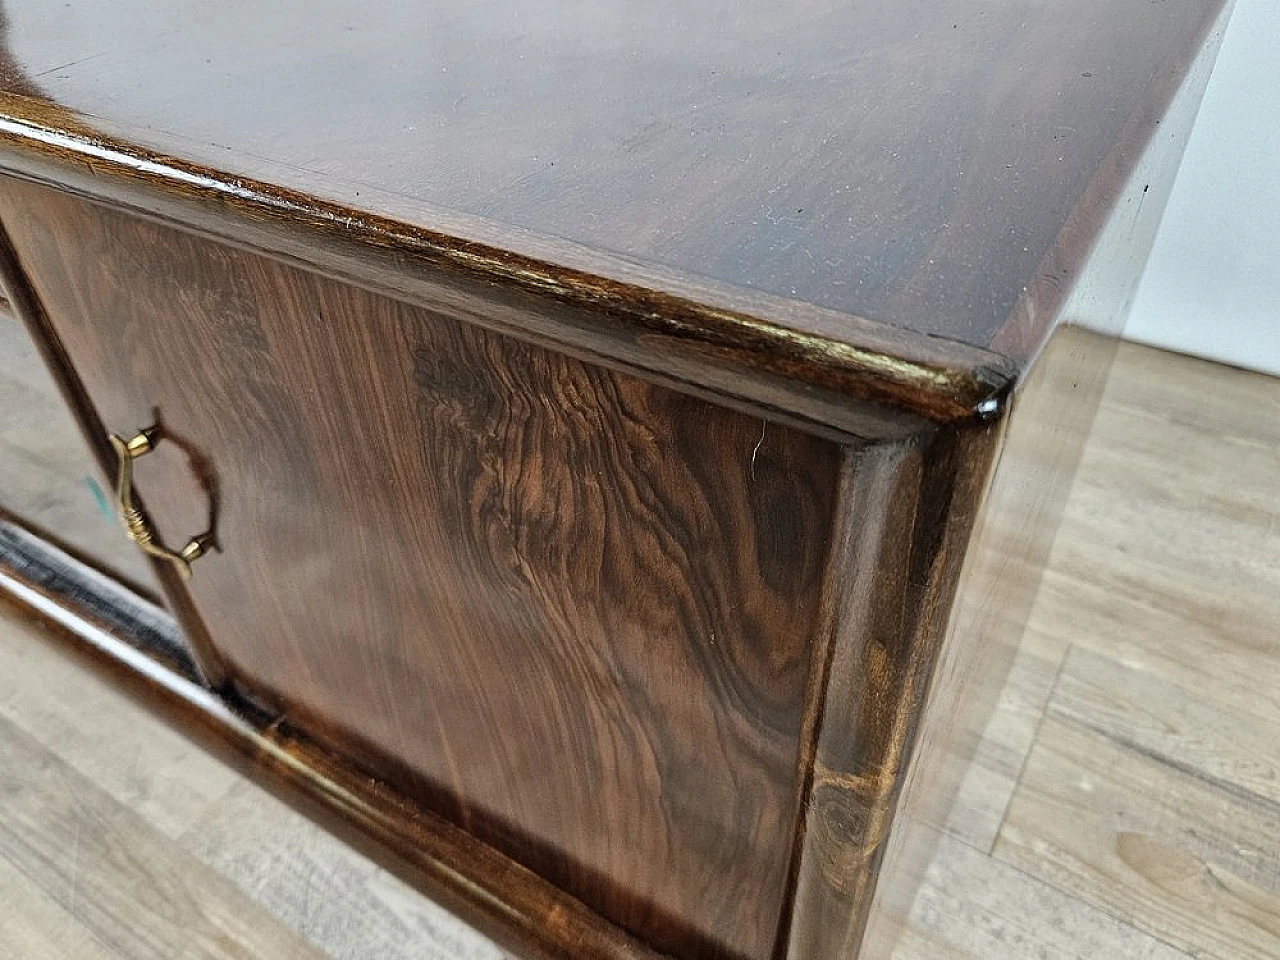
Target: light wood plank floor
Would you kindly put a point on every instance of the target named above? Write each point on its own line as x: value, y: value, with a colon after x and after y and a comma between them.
x: 1126, y: 803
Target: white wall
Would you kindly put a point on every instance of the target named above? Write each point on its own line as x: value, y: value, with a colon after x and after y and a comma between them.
x: 1212, y: 286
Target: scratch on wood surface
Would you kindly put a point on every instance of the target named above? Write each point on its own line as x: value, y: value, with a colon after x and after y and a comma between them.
x: 756, y: 452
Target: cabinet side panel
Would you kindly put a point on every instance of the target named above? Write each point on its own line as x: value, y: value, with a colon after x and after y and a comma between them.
x: 572, y: 611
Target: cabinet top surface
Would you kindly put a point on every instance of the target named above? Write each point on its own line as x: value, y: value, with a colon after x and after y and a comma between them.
x: 909, y: 162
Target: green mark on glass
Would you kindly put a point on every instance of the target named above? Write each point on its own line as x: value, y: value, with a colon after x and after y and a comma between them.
x: 103, y: 503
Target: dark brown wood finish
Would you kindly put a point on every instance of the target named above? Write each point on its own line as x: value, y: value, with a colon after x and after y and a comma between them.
x: 909, y: 161
x: 925, y: 674
x: 824, y: 368
x: 27, y: 307
x: 910, y: 510
x: 138, y: 647
x: 599, y: 407
x: 570, y: 610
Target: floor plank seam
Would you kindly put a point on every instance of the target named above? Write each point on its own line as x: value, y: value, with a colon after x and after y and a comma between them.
x: 983, y: 849
x: 1149, y: 602
x: 1234, y: 790
x: 1035, y: 738
x: 1098, y: 908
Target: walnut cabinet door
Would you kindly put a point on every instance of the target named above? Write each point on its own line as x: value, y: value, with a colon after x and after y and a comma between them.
x: 573, y: 611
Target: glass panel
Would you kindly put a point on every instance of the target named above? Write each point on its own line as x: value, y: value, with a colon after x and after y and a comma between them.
x: 47, y: 476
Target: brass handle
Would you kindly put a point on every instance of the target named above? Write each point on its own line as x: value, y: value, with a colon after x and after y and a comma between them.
x: 136, y: 525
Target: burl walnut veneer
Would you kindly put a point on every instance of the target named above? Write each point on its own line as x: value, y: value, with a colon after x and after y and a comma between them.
x: 618, y: 436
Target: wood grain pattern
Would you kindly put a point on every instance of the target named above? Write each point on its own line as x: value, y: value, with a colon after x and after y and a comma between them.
x: 1164, y: 565
x: 1161, y: 603
x: 974, y: 907
x: 1050, y: 416
x: 913, y: 507
x: 307, y: 878
x: 570, y: 610
x: 908, y: 161
x: 34, y: 696
x: 1213, y: 430
x: 938, y: 478
x: 328, y: 892
x: 802, y: 360
x: 501, y: 898
x: 33, y: 926
x: 1207, y: 423
x: 650, y: 635
x: 1221, y: 742
x: 1151, y: 844
x: 987, y: 785
x: 99, y: 862
x: 984, y: 630
x: 1190, y: 454
x: 28, y: 309
x: 905, y: 711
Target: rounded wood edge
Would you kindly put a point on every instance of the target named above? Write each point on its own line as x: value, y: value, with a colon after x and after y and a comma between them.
x: 659, y: 325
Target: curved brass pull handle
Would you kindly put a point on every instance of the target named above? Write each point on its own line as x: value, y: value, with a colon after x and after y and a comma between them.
x: 136, y: 525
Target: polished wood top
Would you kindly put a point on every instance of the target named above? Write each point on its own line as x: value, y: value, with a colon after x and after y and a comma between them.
x: 933, y: 166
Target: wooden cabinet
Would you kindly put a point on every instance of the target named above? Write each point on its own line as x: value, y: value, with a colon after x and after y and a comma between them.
x: 572, y: 610
x: 615, y: 549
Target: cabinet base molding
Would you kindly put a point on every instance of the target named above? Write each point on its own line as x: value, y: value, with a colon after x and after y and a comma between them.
x: 127, y: 640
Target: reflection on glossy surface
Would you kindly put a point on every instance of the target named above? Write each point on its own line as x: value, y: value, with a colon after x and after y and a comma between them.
x: 1044, y: 436
x: 643, y: 643
x: 47, y: 477
x: 568, y: 609
x: 911, y: 162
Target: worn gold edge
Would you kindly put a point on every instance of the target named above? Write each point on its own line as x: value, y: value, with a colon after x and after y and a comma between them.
x: 941, y: 379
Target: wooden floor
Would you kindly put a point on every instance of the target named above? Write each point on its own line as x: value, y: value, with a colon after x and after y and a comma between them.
x: 1127, y: 803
